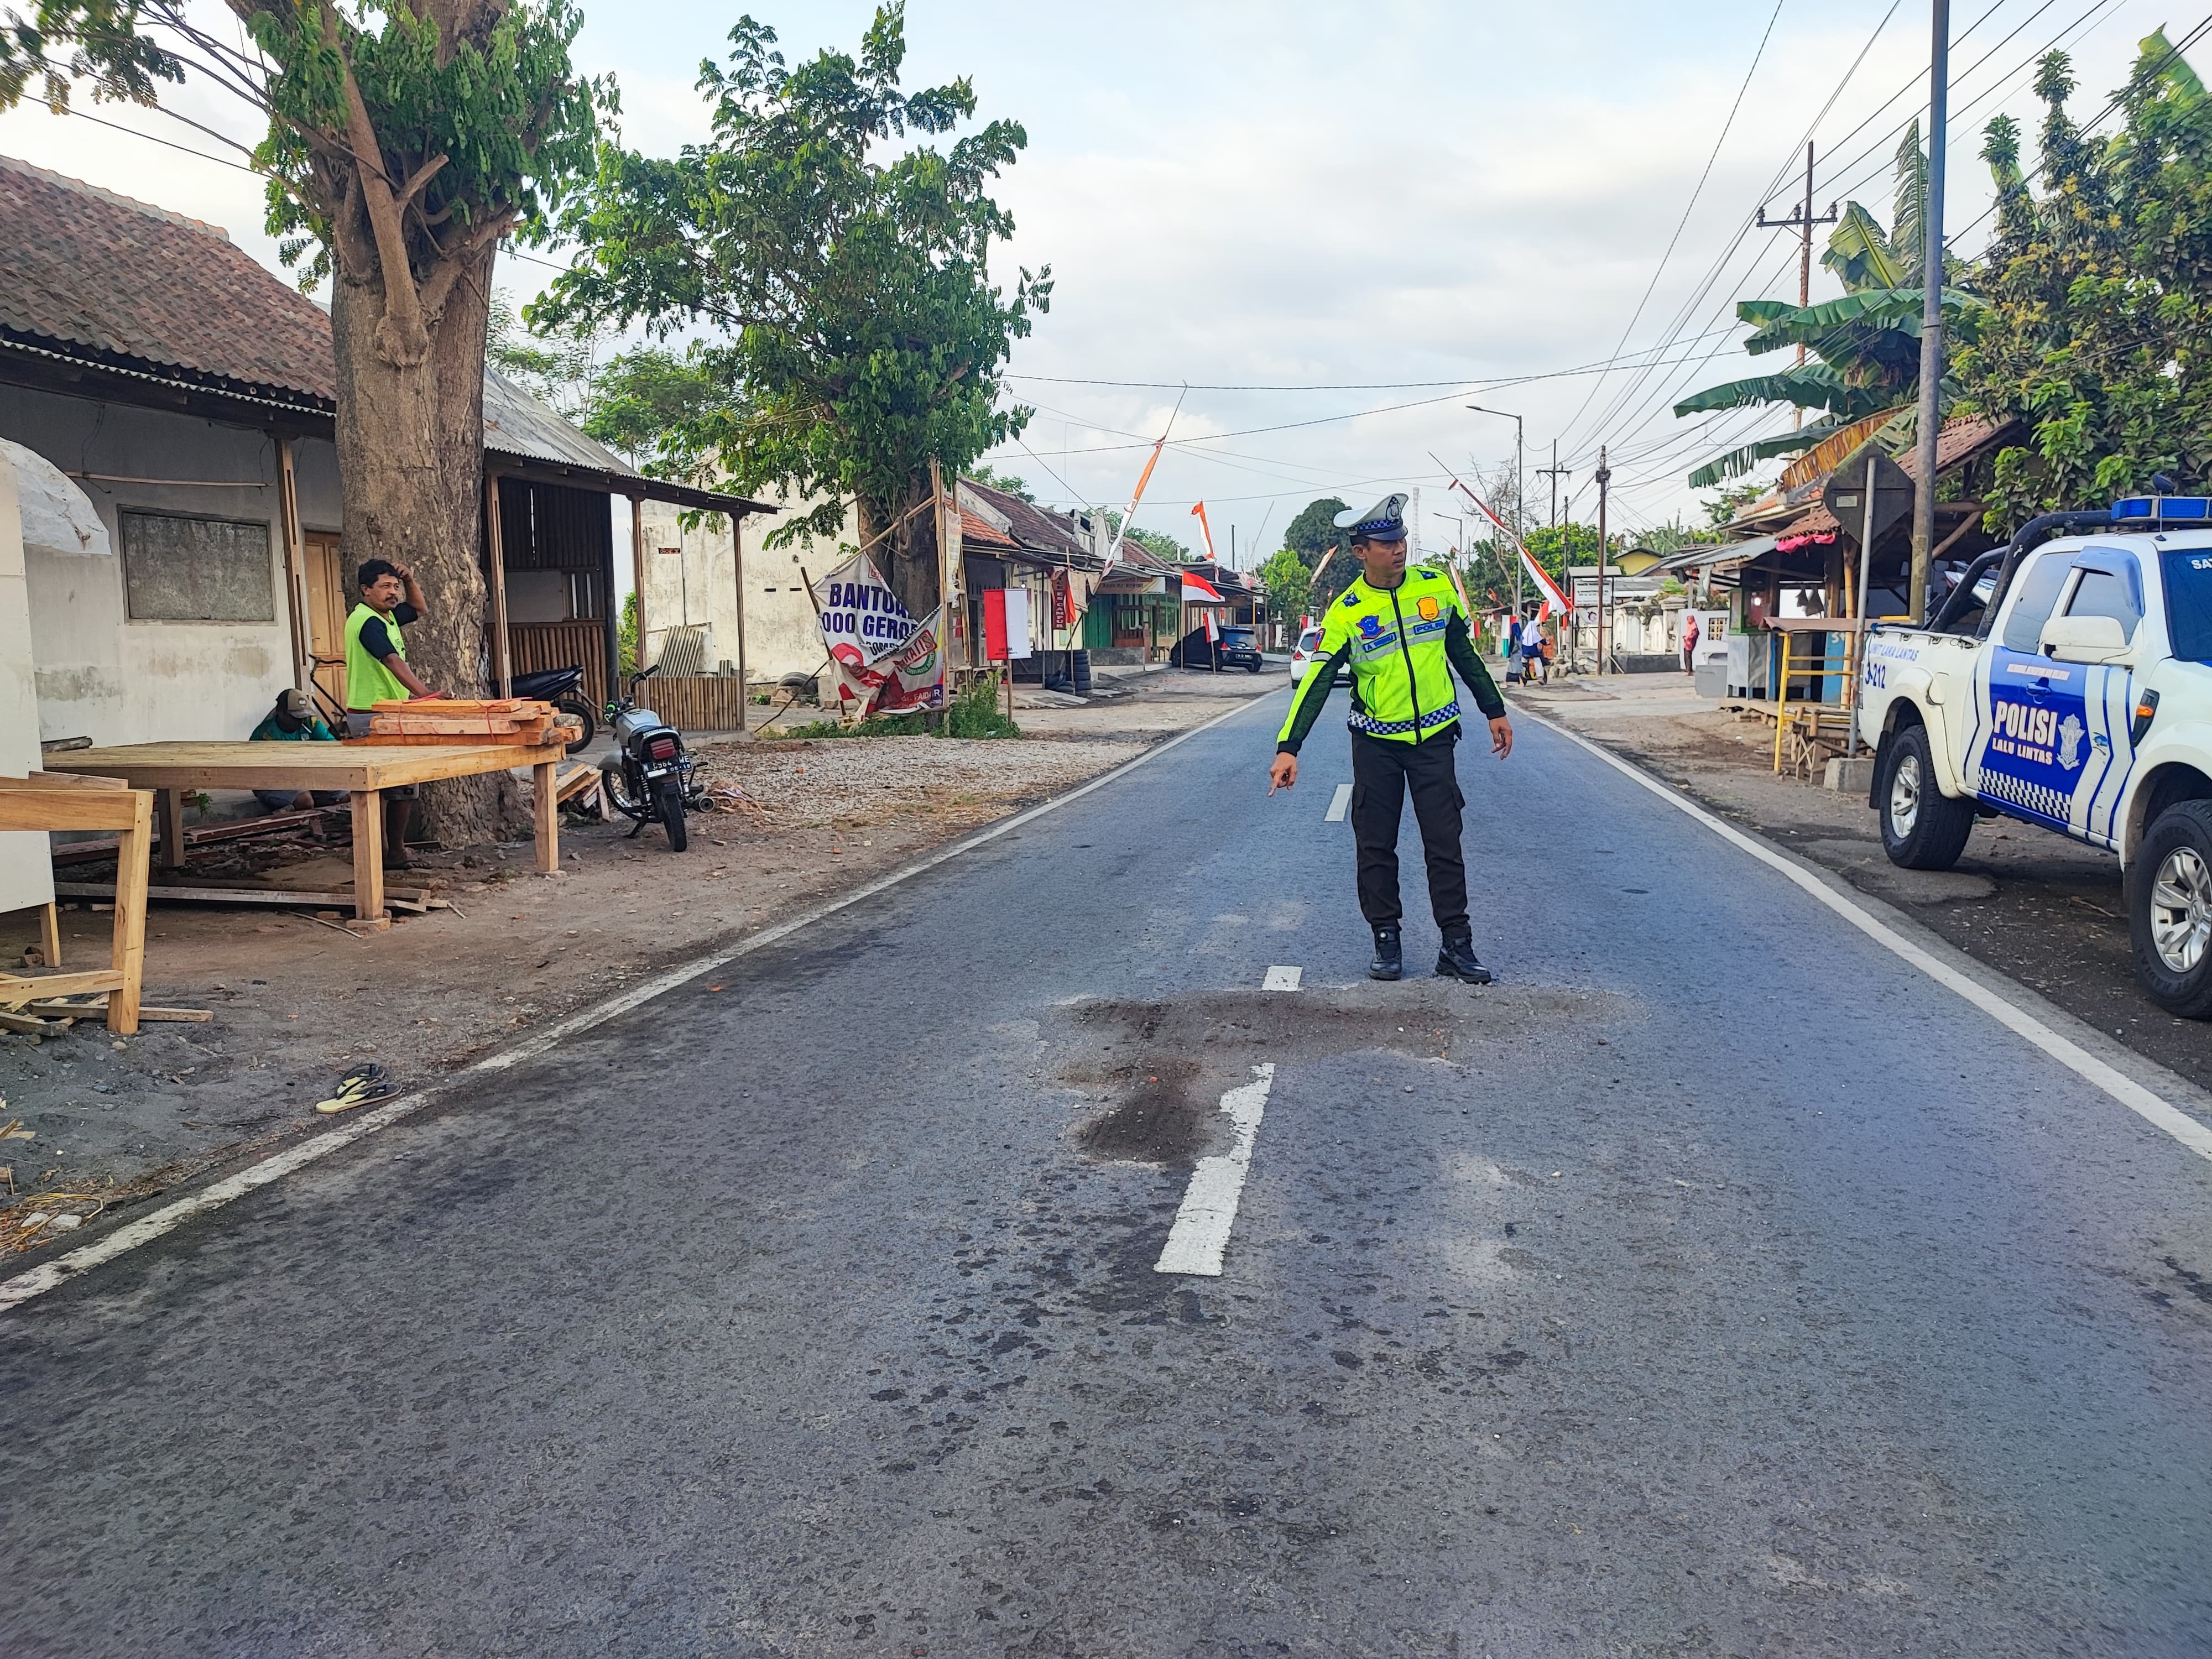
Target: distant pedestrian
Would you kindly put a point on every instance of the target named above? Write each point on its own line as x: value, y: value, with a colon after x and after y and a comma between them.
x: 1689, y: 642
x: 1532, y: 651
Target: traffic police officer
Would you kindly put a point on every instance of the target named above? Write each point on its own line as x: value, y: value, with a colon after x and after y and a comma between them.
x: 1398, y: 629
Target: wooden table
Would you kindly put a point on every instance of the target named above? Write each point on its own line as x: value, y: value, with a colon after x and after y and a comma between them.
x: 362, y: 770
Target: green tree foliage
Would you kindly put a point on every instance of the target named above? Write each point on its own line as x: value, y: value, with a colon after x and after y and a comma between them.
x: 1863, y: 348
x: 2099, y: 339
x: 858, y: 334
x: 1288, y: 584
x: 404, y: 141
x: 1314, y: 532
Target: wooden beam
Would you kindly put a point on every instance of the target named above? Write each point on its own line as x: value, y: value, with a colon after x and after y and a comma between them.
x: 134, y: 853
x: 50, y: 935
x: 295, y: 564
x: 547, y: 811
x: 62, y: 780
x: 16, y: 989
x: 169, y: 803
x: 738, y: 558
x: 637, y: 572
x: 416, y: 900
x: 368, y: 855
x: 502, y: 662
x: 41, y: 809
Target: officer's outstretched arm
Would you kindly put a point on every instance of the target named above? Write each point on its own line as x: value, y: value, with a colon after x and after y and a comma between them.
x: 1313, y: 693
x: 1466, y: 662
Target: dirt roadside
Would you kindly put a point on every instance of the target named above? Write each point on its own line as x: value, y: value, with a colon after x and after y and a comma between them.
x: 297, y: 1000
x: 2036, y: 907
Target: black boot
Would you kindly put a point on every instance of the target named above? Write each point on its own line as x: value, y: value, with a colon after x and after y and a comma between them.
x: 1455, y: 960
x: 1390, y: 955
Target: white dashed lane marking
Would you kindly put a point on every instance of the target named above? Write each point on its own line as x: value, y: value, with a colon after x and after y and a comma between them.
x: 1200, y: 1234
x: 1282, y: 979
x: 1339, y: 804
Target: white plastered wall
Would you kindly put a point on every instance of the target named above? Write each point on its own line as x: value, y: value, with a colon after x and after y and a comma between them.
x: 698, y: 584
x: 104, y: 675
x: 27, y: 872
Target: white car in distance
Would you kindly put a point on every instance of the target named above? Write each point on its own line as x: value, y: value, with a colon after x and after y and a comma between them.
x: 1302, y: 655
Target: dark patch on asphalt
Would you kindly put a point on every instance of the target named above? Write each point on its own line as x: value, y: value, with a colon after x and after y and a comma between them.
x: 1160, y: 1068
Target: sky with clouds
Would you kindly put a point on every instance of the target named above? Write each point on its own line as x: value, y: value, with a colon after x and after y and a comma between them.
x: 1370, y: 216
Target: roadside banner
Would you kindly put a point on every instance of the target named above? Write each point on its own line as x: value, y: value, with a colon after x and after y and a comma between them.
x: 862, y: 620
x: 913, y: 679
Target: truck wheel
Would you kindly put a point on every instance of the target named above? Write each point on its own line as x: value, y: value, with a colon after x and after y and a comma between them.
x: 1922, y: 829
x: 2170, y: 910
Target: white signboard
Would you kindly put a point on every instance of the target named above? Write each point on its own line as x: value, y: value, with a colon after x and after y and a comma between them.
x: 862, y: 621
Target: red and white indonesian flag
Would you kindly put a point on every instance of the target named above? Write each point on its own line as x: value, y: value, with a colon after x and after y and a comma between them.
x: 1196, y: 589
x: 1212, y: 630
x: 1553, y: 598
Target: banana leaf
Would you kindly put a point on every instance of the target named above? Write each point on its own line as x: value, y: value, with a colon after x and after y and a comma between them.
x: 1740, y: 460
x: 1816, y: 386
x: 1860, y: 253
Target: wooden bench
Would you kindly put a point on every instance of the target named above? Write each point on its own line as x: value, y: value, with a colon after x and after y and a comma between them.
x: 48, y: 801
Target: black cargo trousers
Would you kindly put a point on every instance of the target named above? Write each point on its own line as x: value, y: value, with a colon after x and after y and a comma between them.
x: 1382, y: 773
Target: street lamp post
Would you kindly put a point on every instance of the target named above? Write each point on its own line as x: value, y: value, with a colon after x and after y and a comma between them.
x: 1520, y: 459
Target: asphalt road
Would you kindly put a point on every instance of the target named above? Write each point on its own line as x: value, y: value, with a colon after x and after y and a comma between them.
x: 1713, y: 1285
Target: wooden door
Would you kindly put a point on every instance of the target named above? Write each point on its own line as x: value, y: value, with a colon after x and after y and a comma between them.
x: 326, y: 615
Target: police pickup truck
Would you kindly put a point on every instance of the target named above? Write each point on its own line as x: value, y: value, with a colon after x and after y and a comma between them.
x: 2067, y: 681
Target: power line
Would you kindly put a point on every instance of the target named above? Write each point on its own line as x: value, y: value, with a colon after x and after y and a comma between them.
x: 1696, y: 191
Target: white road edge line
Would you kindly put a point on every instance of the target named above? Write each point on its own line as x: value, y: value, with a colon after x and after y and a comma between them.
x: 1282, y: 979
x: 48, y: 1275
x: 1201, y: 1233
x: 2151, y: 1107
x: 1339, y: 804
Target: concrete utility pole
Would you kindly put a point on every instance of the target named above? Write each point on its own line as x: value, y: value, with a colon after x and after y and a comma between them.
x: 1604, y: 475
x: 1801, y: 220
x: 1931, y: 311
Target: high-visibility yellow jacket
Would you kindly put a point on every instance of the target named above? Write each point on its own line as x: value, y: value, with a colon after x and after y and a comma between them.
x: 368, y: 682
x: 1402, y: 644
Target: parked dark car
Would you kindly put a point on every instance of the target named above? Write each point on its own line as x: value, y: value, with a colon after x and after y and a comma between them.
x: 1237, y: 647
x: 1240, y: 648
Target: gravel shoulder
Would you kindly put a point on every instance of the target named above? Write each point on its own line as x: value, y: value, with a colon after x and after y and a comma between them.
x: 2045, y: 910
x: 296, y: 1000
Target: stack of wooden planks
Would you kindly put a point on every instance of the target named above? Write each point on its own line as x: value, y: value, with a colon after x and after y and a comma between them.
x: 518, y: 720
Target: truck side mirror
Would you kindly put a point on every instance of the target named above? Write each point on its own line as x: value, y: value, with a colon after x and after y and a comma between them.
x: 2083, y: 639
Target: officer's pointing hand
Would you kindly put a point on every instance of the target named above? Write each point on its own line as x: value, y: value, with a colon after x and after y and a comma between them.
x: 1283, y: 774
x: 1501, y: 738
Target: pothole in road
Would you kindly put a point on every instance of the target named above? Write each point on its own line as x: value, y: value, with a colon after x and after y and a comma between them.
x: 1160, y: 1068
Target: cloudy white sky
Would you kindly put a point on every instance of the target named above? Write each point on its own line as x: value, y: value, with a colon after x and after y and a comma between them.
x: 1396, y: 208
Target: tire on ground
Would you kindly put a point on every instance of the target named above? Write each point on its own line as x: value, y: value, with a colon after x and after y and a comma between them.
x: 2183, y: 828
x: 668, y: 797
x: 1939, y: 827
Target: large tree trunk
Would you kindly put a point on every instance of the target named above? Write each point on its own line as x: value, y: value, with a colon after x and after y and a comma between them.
x: 410, y: 464
x: 907, y: 557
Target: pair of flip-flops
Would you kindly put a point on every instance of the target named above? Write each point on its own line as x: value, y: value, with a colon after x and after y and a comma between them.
x: 366, y: 1082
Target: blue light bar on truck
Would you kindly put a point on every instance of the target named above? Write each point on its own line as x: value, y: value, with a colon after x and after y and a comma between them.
x: 2161, y: 509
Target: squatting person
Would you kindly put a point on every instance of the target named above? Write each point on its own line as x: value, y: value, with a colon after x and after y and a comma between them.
x: 1398, y: 629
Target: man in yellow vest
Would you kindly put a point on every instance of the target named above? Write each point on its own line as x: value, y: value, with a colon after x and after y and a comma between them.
x: 377, y: 671
x: 1402, y: 633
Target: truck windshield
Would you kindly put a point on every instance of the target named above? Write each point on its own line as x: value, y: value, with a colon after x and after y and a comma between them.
x: 2188, y: 601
